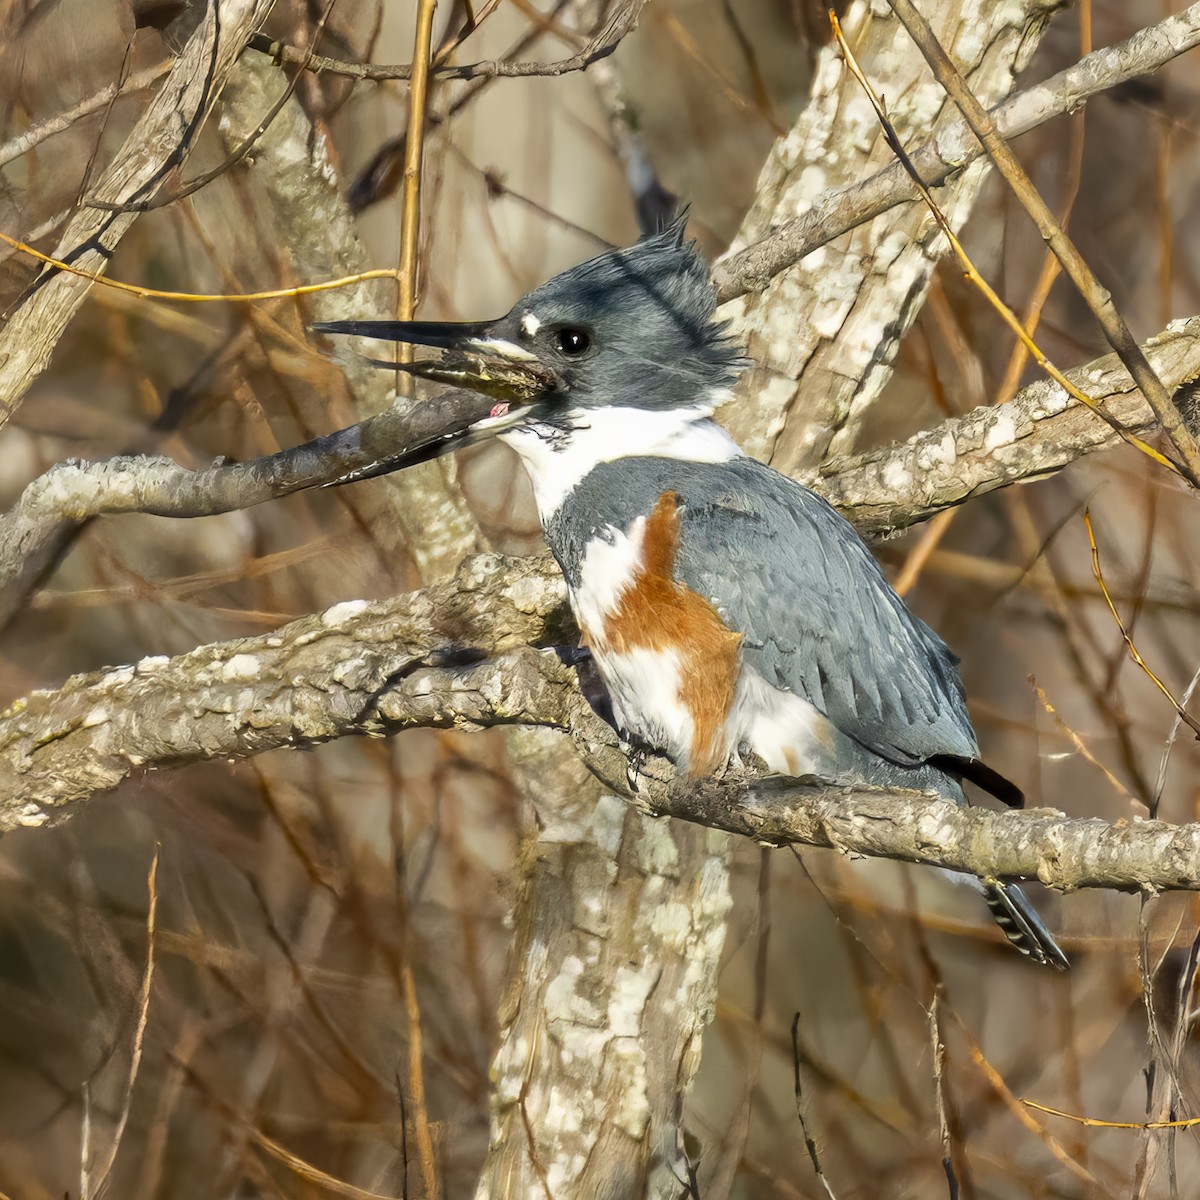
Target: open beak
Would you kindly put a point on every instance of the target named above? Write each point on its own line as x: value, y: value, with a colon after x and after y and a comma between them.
x: 474, y: 356
x: 477, y: 357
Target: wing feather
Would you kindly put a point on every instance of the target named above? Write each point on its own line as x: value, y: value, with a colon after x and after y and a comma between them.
x: 787, y: 572
x: 818, y: 616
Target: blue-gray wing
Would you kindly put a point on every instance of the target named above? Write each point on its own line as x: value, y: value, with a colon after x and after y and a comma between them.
x: 818, y: 617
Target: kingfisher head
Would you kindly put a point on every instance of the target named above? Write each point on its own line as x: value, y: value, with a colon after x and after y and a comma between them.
x: 618, y: 356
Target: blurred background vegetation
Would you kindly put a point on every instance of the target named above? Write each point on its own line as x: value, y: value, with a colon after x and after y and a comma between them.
x: 299, y: 893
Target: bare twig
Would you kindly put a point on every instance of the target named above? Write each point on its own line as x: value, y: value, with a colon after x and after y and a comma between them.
x: 1160, y: 780
x: 149, y: 293
x: 969, y: 269
x: 414, y: 152
x: 36, y: 134
x: 1095, y: 1122
x: 1015, y: 1106
x: 104, y: 1176
x: 938, y: 1046
x: 623, y: 20
x: 1095, y: 295
x: 1180, y: 711
x: 809, y: 1141
x: 955, y: 149
x: 1051, y: 267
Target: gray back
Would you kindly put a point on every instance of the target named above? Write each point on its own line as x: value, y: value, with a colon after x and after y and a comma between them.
x: 790, y: 574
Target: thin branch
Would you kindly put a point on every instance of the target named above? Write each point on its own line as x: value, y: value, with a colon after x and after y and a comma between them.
x: 15, y: 147
x: 149, y: 293
x: 622, y: 21
x: 414, y: 153
x: 1051, y: 267
x: 104, y: 1177
x: 1134, y: 653
x: 953, y: 150
x: 1095, y: 295
x: 969, y: 269
x: 810, y: 1143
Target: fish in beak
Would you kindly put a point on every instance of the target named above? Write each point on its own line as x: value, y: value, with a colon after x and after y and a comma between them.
x: 473, y: 356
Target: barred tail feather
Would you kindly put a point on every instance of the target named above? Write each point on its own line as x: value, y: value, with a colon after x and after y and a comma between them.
x: 1021, y: 924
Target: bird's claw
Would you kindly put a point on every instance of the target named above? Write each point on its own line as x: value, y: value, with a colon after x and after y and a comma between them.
x: 635, y: 758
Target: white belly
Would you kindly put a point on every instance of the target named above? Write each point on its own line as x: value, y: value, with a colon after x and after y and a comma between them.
x: 649, y: 683
x: 787, y: 732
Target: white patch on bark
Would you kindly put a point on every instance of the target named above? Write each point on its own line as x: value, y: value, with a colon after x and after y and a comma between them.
x: 241, y: 667
x: 1001, y: 432
x: 339, y: 614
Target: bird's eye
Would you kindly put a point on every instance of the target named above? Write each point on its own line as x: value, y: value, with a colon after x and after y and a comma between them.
x: 572, y: 341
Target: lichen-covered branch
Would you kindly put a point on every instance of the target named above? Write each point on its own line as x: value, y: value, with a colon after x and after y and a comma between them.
x: 1038, y: 432
x: 823, y: 333
x: 839, y: 210
x: 459, y: 656
x: 315, y: 679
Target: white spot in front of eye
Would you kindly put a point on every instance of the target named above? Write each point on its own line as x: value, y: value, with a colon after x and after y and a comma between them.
x: 530, y: 324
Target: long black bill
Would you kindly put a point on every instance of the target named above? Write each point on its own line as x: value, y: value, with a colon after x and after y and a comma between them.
x: 476, y: 357
x: 444, y: 335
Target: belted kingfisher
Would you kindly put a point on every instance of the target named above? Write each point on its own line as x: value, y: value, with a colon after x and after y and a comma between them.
x: 729, y: 610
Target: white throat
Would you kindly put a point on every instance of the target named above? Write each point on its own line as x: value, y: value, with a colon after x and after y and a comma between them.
x: 556, y: 462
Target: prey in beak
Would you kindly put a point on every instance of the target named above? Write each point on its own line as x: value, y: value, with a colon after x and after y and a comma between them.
x: 473, y: 356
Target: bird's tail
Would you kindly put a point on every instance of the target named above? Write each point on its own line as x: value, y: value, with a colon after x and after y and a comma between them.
x: 1021, y: 924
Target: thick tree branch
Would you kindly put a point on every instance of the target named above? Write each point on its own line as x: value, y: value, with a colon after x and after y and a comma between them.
x: 1038, y: 432
x: 953, y: 150
x: 418, y: 661
x: 315, y: 679
x: 76, y: 491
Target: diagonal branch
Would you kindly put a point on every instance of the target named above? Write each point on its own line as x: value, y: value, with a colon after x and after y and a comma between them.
x: 953, y: 150
x: 1095, y: 295
x: 73, y: 492
x: 458, y: 656
x: 1035, y: 434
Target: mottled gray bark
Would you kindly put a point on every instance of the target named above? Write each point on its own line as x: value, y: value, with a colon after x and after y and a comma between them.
x: 1038, y: 432
x: 838, y: 210
x: 597, y: 964
x: 823, y: 334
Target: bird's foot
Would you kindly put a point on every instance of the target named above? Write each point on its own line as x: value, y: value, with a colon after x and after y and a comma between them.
x: 636, y: 752
x: 573, y: 656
